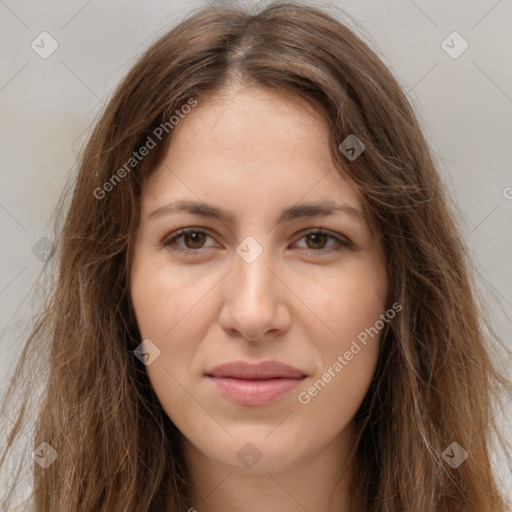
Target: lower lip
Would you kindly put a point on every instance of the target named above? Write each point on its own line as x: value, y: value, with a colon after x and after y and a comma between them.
x: 254, y: 392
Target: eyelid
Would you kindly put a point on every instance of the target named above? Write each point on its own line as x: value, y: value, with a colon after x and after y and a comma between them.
x: 322, y: 231
x: 343, y: 241
x: 166, y: 242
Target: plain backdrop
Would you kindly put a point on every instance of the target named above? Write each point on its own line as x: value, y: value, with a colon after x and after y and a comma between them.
x: 47, y: 107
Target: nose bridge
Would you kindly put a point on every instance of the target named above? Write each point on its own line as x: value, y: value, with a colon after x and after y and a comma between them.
x: 253, y: 298
x: 253, y: 279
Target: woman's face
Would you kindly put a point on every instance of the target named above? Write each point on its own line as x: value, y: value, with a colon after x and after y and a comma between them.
x: 253, y: 173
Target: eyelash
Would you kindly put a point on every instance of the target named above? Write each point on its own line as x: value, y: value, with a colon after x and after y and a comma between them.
x: 167, y: 241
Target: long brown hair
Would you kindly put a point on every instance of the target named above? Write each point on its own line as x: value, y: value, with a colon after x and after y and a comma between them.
x: 436, y: 381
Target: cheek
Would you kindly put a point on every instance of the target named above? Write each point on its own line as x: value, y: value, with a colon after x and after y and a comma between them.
x: 167, y: 301
x: 347, y: 301
x: 348, y: 349
x: 175, y: 310
x: 174, y: 314
x: 349, y: 357
x: 348, y: 338
x: 330, y: 402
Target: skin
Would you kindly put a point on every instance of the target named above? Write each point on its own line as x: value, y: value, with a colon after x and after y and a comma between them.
x: 254, y: 152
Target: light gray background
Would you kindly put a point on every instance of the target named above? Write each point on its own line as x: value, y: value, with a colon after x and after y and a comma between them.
x: 48, y: 105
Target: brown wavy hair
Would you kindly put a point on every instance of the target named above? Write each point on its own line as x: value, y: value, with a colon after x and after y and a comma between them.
x: 437, y: 379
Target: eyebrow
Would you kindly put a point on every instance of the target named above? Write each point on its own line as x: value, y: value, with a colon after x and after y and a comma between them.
x: 322, y: 208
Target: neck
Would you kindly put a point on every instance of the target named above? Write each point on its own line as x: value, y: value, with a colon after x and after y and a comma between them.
x: 318, y: 482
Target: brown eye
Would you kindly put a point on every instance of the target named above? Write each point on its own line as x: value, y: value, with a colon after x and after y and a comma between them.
x: 194, y: 239
x: 187, y: 240
x: 318, y: 240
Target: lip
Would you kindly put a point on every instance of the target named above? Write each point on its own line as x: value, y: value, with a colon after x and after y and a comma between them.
x: 255, y: 384
x: 261, y: 370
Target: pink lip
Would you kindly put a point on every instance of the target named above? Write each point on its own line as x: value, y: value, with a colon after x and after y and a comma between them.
x: 262, y: 370
x: 256, y: 391
x: 255, y: 384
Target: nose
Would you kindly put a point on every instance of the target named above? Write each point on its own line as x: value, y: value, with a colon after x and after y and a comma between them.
x: 255, y: 305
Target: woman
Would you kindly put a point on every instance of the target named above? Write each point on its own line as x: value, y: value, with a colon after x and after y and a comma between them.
x: 262, y: 299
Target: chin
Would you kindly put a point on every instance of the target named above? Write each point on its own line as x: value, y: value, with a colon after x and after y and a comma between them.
x: 252, y: 451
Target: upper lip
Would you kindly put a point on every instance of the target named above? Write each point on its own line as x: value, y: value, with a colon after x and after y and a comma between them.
x: 262, y: 370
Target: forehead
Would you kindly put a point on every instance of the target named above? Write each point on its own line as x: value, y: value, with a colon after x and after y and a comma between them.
x: 251, y: 146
